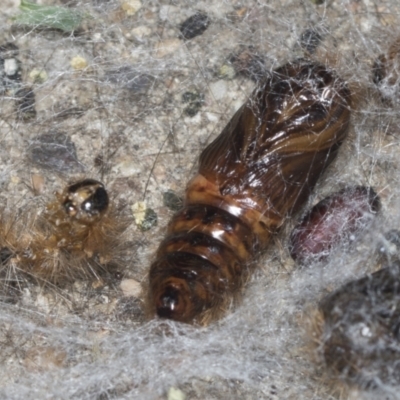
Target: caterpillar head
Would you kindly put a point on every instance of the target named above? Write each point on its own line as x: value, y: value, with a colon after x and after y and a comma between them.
x: 86, y: 201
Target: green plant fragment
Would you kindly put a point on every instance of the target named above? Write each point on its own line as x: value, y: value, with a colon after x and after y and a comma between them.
x: 53, y: 17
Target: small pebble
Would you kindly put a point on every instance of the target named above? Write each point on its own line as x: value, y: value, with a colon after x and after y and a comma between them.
x: 172, y: 200
x: 10, y: 74
x: 175, y: 394
x: 54, y: 151
x: 150, y: 220
x: 167, y: 12
x: 38, y: 183
x: 40, y: 359
x: 167, y: 46
x: 130, y: 288
x: 38, y: 76
x: 194, y: 25
x: 129, y: 78
x: 141, y: 31
x: 238, y: 14
x: 218, y: 89
x: 131, y: 7
x: 145, y: 218
x: 227, y: 72
x: 12, y: 68
x: 194, y: 100
x: 139, y: 211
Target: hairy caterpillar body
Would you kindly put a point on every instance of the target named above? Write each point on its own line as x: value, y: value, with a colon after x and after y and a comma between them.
x: 256, y: 173
x: 76, y: 237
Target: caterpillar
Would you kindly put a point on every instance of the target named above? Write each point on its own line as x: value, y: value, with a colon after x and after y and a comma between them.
x: 256, y: 173
x: 77, y: 236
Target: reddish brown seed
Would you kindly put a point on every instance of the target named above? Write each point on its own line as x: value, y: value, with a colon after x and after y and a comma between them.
x: 259, y: 171
x: 333, y: 220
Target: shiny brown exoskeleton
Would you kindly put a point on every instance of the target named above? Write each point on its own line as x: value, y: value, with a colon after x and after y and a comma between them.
x: 257, y: 172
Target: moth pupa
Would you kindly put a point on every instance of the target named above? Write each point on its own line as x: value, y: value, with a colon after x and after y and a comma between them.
x: 259, y: 171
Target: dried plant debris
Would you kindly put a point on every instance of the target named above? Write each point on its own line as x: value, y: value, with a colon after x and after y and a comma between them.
x: 194, y: 100
x: 361, y: 329
x: 38, y: 76
x: 54, y: 151
x: 334, y: 220
x: 51, y: 17
x: 172, y: 200
x: 194, y: 26
x: 144, y: 217
x: 149, y: 220
x: 227, y: 71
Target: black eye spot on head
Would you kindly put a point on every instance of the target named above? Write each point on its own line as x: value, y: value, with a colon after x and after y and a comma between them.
x: 86, y: 200
x: 97, y: 202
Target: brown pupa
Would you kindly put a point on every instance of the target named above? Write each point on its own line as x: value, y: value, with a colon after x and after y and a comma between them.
x: 255, y: 174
